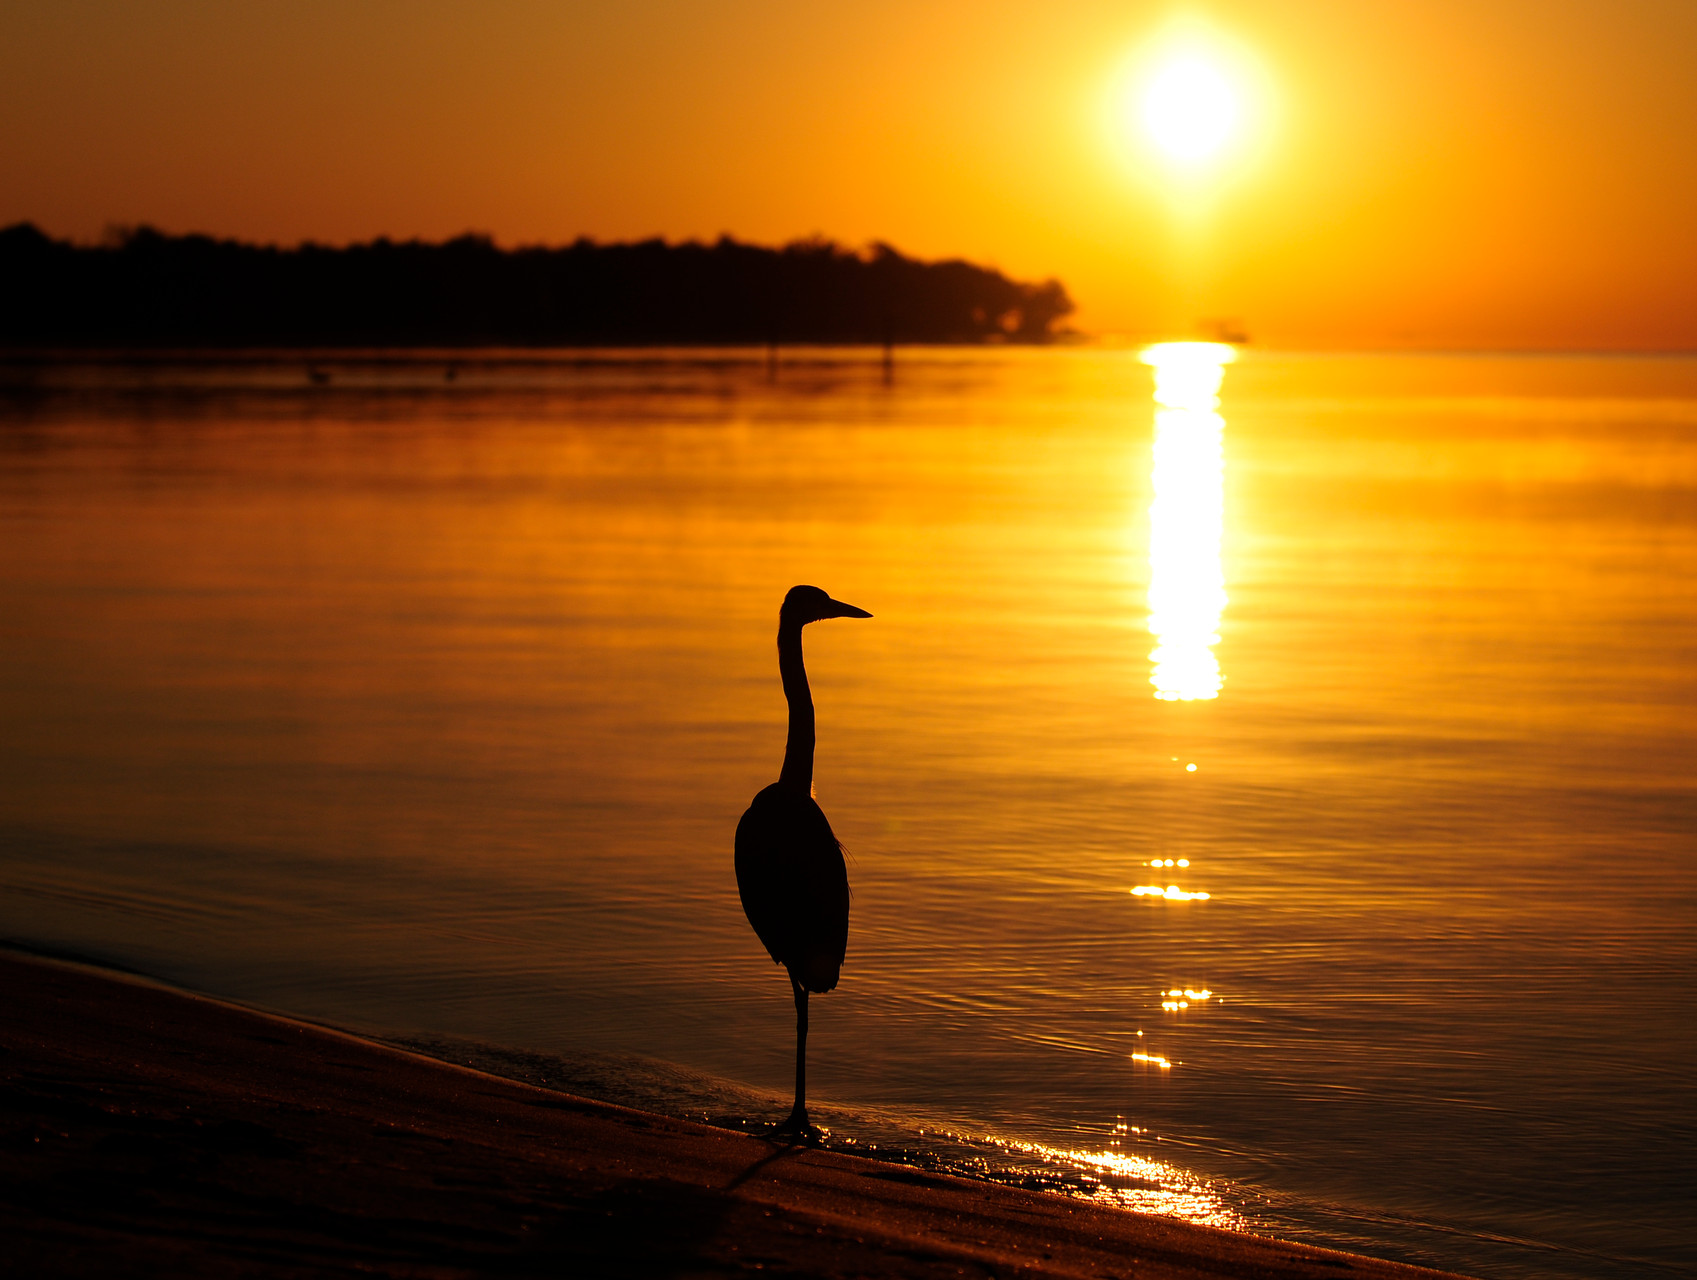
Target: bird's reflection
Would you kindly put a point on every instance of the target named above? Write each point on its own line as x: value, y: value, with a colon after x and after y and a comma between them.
x: 1187, y: 589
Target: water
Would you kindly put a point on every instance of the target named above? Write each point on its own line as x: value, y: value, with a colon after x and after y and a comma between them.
x: 428, y: 707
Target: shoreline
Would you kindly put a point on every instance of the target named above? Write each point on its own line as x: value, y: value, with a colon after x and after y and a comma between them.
x: 151, y: 1130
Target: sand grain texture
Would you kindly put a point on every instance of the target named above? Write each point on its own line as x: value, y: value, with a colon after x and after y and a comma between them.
x: 148, y: 1132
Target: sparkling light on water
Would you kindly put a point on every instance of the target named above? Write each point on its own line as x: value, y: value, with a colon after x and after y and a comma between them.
x: 1134, y: 1181
x: 1187, y: 589
x: 1177, y: 1000
x: 1171, y: 893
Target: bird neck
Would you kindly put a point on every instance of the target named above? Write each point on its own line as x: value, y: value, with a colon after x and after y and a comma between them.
x: 798, y: 750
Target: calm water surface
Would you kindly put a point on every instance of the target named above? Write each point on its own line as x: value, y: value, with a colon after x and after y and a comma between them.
x: 429, y: 707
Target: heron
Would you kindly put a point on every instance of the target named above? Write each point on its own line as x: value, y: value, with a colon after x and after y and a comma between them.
x: 790, y: 871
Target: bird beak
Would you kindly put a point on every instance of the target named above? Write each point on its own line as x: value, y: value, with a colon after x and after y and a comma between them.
x: 841, y: 610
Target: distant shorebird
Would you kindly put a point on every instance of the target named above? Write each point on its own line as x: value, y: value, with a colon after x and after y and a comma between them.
x: 790, y: 869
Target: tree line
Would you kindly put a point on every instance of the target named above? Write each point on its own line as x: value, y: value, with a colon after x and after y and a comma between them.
x: 142, y: 287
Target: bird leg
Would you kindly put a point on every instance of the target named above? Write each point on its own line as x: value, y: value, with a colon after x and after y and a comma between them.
x: 797, y: 1126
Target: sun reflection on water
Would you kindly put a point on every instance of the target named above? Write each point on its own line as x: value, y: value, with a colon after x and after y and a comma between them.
x: 1187, y: 589
x: 1171, y: 892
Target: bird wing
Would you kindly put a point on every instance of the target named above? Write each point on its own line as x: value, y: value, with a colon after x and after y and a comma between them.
x: 794, y: 885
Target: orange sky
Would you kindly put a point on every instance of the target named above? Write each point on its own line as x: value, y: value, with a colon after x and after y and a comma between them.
x: 1516, y: 173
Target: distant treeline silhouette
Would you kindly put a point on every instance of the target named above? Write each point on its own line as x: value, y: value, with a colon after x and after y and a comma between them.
x: 146, y: 288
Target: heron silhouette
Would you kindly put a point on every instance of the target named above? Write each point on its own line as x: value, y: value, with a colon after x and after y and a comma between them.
x: 790, y: 870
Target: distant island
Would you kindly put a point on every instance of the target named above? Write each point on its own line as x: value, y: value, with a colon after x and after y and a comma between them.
x: 146, y: 288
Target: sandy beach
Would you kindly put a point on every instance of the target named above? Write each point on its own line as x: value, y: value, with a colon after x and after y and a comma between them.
x: 148, y: 1131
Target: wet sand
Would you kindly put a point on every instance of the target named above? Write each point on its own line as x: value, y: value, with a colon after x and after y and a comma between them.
x: 145, y: 1131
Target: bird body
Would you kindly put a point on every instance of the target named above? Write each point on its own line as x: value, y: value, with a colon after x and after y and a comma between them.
x: 789, y: 863
x: 794, y: 885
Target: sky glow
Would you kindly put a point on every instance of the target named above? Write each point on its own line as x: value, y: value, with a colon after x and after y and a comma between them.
x: 1450, y: 173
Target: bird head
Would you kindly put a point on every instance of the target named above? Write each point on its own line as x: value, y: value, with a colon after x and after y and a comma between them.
x: 809, y: 604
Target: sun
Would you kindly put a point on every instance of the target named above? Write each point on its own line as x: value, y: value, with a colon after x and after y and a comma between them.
x: 1190, y: 109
